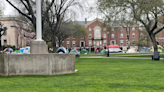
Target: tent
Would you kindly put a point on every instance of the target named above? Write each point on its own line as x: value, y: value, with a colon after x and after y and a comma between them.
x: 61, y: 50
x: 131, y: 51
x: 26, y: 50
x: 160, y: 47
x: 17, y: 51
x: 22, y: 49
x: 113, y: 46
x: 102, y: 51
x: 73, y: 51
x: 144, y: 50
x: 116, y: 50
x: 159, y: 50
x: 8, y: 50
x: 83, y: 51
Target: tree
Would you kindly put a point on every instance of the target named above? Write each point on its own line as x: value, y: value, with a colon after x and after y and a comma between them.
x: 144, y: 12
x: 71, y: 29
x: 53, y: 13
x: 2, y: 32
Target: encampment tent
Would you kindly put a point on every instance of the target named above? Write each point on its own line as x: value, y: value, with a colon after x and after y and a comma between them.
x: 83, y: 51
x: 61, y: 50
x: 102, y: 51
x: 26, y: 50
x: 144, y: 50
x: 114, y: 50
x: 73, y: 51
x: 131, y: 51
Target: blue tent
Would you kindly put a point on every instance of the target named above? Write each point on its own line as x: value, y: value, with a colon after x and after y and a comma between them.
x: 61, y: 49
x: 21, y: 49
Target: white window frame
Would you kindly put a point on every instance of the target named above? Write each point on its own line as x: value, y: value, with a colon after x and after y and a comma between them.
x: 67, y: 43
x: 90, y: 29
x: 133, y: 35
x: 90, y: 42
x: 90, y: 35
x: 121, y: 35
x: 112, y: 29
x: 112, y: 35
x: 73, y: 45
x: 104, y: 35
x: 133, y: 28
x: 121, y: 41
x: 104, y: 42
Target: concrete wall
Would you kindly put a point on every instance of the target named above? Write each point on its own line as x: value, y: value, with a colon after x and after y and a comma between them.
x: 37, y: 64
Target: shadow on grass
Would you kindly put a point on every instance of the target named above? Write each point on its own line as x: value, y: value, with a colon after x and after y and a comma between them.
x: 155, y: 87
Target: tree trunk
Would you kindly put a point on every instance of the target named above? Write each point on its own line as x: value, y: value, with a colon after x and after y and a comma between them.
x: 154, y: 43
x: 54, y: 44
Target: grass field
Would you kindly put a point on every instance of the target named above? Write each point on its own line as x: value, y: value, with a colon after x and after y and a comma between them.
x: 95, y: 75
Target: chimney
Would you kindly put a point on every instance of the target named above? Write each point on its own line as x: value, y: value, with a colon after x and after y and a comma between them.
x: 85, y: 20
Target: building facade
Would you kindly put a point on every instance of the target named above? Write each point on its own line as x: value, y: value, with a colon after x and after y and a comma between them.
x: 11, y: 37
x: 99, y: 36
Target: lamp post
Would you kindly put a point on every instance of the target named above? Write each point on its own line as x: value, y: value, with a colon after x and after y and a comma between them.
x: 108, y: 43
x: 162, y: 42
x: 128, y: 33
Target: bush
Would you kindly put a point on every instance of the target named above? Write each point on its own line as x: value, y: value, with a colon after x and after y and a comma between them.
x: 8, y: 46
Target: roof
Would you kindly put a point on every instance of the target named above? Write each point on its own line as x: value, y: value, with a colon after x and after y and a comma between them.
x: 81, y: 22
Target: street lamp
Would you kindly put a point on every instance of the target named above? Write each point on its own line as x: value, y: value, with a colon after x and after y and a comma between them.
x: 162, y: 42
x: 108, y: 43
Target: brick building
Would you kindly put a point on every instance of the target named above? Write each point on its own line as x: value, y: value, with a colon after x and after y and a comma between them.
x: 100, y: 37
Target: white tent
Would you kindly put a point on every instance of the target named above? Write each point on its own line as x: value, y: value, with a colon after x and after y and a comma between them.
x: 131, y: 51
x: 111, y: 50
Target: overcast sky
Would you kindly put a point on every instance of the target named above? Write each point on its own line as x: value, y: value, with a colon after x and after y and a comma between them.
x: 89, y: 15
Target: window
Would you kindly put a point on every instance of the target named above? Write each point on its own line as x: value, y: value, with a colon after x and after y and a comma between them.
x: 90, y: 42
x: 126, y: 42
x: 127, y: 28
x: 141, y: 35
x: 133, y: 35
x: 104, y: 42
x: 121, y: 42
x: 5, y: 33
x: 104, y: 35
x: 68, y: 44
x: 94, y: 42
x: 62, y: 44
x: 100, y: 42
x: 121, y: 29
x: 68, y: 38
x: 113, y: 42
x: 133, y: 43
x: 133, y: 29
x: 104, y: 29
x: 90, y: 35
x: 73, y: 43
x: 127, y: 35
x: 90, y: 29
x: 112, y: 35
x: 5, y: 42
x: 112, y: 29
x: 82, y: 37
x: 121, y: 35
x: 73, y: 37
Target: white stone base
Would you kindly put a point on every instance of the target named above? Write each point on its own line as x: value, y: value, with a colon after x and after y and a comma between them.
x: 38, y: 47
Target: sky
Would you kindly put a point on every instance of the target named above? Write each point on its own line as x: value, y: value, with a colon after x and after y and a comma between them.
x: 90, y: 15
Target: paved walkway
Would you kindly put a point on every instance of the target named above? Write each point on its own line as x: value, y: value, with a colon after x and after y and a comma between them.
x: 119, y: 57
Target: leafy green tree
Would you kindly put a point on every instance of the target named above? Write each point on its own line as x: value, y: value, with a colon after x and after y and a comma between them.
x: 71, y: 29
x: 144, y: 12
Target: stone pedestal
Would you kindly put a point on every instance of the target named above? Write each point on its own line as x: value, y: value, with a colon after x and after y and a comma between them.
x: 38, y: 47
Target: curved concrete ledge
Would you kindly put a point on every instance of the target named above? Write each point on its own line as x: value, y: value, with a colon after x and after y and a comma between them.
x: 37, y: 64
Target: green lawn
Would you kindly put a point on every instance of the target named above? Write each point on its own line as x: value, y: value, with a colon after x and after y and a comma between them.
x: 95, y: 75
